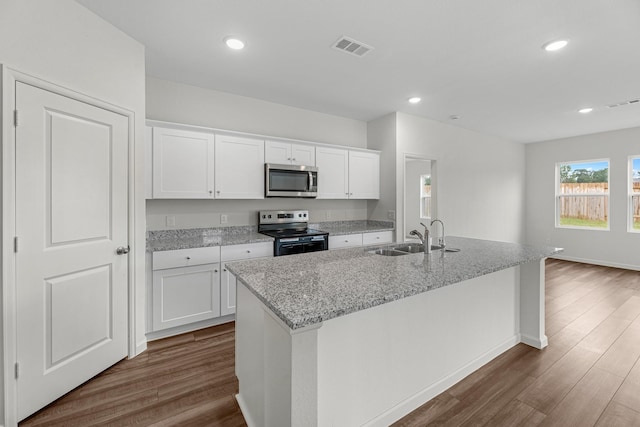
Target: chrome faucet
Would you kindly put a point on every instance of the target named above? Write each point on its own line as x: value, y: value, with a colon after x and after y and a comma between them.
x: 424, y: 239
x: 441, y: 241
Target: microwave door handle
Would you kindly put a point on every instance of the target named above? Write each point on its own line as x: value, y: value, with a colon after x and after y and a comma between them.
x: 310, y: 181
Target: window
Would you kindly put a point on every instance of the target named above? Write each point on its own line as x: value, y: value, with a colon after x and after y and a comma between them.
x: 582, y: 194
x: 425, y: 196
x: 634, y: 194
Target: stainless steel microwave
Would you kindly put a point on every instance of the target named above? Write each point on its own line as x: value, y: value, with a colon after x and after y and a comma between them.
x: 290, y: 180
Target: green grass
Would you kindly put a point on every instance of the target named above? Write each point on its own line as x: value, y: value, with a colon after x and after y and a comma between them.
x: 636, y: 225
x: 578, y: 222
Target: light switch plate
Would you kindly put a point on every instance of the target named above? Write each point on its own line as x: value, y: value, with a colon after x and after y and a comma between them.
x: 391, y: 215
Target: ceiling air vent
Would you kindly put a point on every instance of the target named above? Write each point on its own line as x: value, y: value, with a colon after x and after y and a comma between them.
x: 352, y: 46
x: 620, y: 104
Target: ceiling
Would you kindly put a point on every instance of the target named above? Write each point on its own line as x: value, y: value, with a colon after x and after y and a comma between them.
x: 479, y: 60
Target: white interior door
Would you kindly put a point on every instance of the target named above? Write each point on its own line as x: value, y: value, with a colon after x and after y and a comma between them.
x: 71, y: 215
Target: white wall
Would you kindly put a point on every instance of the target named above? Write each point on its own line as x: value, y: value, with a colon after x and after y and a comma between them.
x: 64, y: 43
x: 180, y: 103
x: 479, y: 178
x: 615, y: 247
x: 381, y: 135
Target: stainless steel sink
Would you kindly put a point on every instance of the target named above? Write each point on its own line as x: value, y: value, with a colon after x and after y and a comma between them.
x: 387, y: 252
x: 414, y: 248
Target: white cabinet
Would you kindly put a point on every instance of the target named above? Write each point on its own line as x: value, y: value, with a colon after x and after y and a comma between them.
x: 360, y: 239
x: 346, y: 174
x: 285, y: 153
x: 182, y: 164
x: 377, y: 238
x: 228, y: 280
x: 333, y: 173
x: 364, y: 175
x: 239, y: 167
x: 345, y: 241
x: 186, y: 286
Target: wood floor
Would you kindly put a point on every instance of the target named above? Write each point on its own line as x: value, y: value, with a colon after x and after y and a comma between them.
x: 589, y: 375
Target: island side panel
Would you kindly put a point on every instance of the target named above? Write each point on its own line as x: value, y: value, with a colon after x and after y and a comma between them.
x: 532, y: 326
x: 377, y: 365
x: 277, y: 370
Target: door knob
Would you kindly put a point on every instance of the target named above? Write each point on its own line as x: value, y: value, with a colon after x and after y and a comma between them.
x: 121, y: 250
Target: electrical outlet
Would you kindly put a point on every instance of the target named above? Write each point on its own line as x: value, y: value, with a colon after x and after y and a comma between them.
x: 223, y: 219
x: 171, y: 221
x: 391, y: 215
x: 327, y: 215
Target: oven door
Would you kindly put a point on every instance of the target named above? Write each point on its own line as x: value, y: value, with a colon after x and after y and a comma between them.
x: 300, y: 245
x: 290, y: 181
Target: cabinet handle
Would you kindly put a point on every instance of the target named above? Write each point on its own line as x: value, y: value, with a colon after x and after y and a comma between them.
x: 224, y: 269
x: 377, y: 237
x: 210, y: 192
x: 215, y: 271
x: 218, y: 191
x: 188, y: 257
x: 294, y: 159
x: 346, y: 241
x: 288, y: 158
x: 248, y: 251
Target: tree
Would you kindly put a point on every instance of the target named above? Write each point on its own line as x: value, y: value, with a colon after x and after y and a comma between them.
x: 565, y: 174
x: 601, y: 175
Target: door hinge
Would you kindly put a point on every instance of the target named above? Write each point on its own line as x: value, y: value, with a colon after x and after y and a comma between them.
x: 17, y: 369
x: 15, y: 118
x: 15, y: 244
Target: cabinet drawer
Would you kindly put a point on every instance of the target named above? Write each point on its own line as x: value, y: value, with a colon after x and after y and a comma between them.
x: 345, y: 241
x: 246, y: 251
x: 185, y: 257
x: 378, y: 237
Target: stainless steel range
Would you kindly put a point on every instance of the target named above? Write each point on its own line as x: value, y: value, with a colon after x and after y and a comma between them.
x: 291, y: 234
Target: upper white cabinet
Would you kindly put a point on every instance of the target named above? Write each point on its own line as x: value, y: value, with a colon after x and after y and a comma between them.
x: 346, y: 174
x: 285, y: 153
x: 333, y: 173
x: 364, y: 175
x: 239, y: 167
x: 182, y: 164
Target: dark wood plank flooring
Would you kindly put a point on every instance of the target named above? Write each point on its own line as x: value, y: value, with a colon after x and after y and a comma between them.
x: 589, y: 375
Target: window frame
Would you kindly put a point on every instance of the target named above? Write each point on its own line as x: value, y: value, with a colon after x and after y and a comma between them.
x: 559, y: 195
x: 423, y: 197
x: 631, y: 195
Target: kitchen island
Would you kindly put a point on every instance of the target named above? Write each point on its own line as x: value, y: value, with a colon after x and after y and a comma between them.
x: 348, y: 337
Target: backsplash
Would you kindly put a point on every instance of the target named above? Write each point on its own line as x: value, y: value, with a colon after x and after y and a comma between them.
x: 186, y: 214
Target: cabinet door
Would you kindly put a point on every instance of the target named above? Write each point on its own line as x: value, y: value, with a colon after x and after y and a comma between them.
x: 345, y: 241
x: 239, y: 168
x: 182, y: 164
x: 303, y: 155
x: 364, y: 175
x: 277, y: 152
x: 333, y: 173
x: 227, y: 292
x: 185, y: 295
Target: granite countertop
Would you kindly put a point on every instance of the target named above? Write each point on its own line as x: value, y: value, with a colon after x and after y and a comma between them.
x: 306, y: 289
x: 165, y: 240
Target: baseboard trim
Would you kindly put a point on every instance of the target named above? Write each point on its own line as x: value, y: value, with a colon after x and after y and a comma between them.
x: 412, y: 403
x: 245, y: 411
x: 597, y: 262
x: 536, y: 342
x: 177, y: 330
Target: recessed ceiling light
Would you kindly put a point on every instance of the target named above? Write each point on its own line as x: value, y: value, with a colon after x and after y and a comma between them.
x: 234, y: 43
x: 585, y: 110
x: 555, y: 45
x: 414, y: 100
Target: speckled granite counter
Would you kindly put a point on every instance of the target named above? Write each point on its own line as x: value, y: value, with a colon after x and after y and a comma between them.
x: 307, y: 289
x: 352, y: 227
x: 164, y: 240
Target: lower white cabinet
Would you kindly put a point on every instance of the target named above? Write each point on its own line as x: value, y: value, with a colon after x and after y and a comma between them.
x: 185, y: 295
x: 228, y: 280
x: 185, y: 287
x: 360, y: 239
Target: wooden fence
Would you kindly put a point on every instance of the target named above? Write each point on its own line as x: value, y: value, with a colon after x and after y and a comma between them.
x: 584, y: 203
